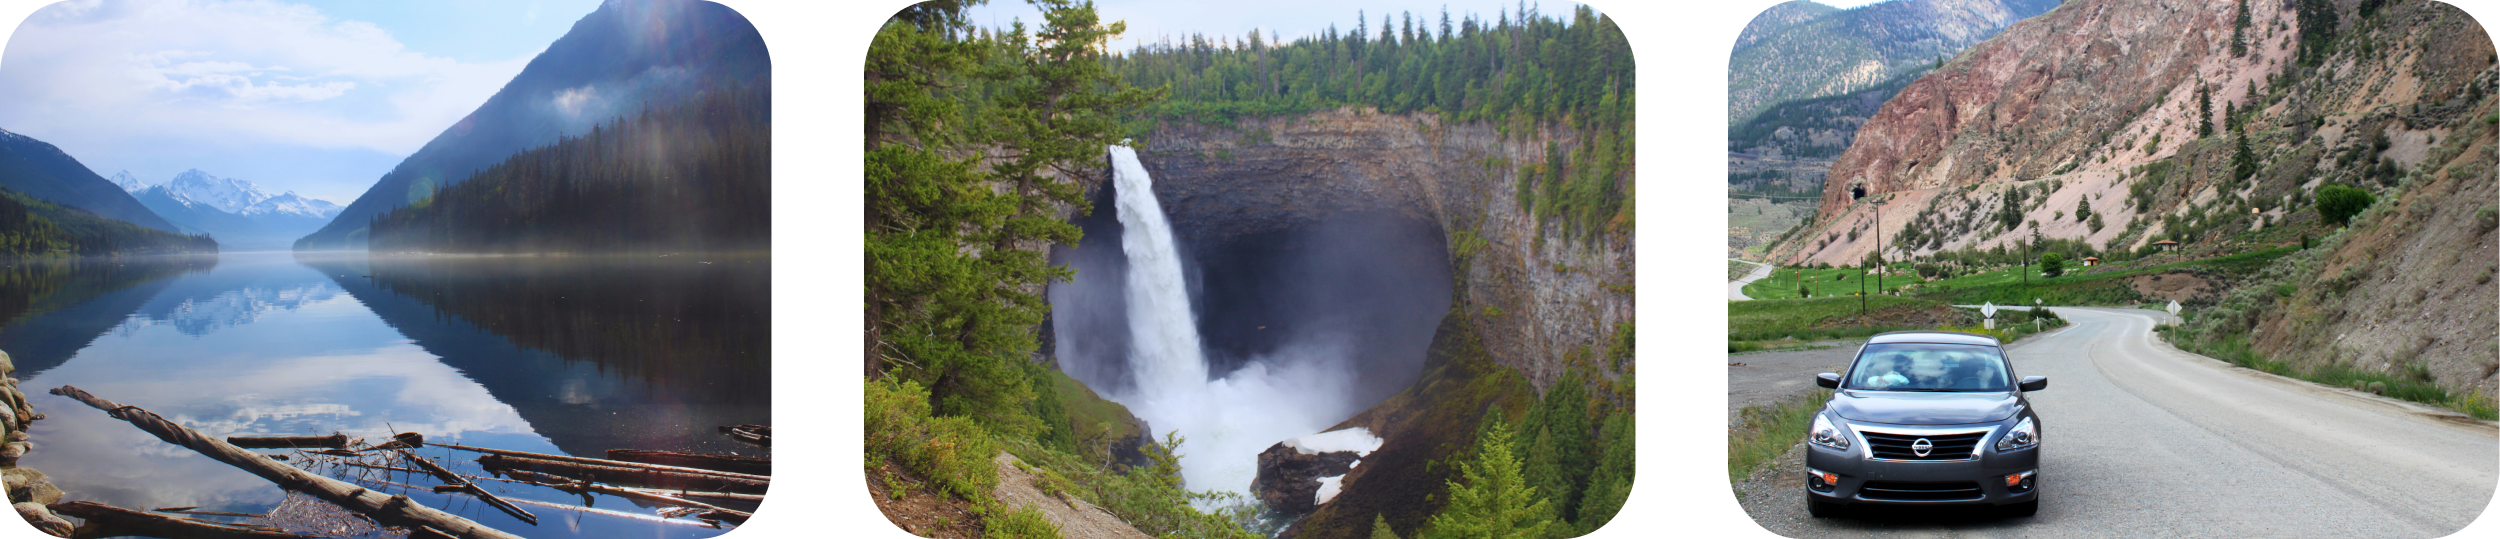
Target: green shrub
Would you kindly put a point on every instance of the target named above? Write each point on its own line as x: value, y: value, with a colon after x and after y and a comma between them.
x: 2337, y: 204
x: 1023, y: 523
x: 952, y: 452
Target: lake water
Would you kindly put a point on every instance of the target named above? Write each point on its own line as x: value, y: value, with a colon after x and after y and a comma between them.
x: 571, y: 355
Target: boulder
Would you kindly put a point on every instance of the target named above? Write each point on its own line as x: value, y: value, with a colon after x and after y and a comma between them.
x: 29, y: 485
x: 43, y: 519
x: 1288, y: 479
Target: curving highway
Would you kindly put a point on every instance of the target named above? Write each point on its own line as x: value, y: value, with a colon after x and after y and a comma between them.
x: 2143, y: 440
x: 1736, y: 288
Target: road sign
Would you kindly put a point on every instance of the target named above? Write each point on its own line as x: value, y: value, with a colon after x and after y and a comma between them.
x: 1991, y: 323
x: 1989, y: 310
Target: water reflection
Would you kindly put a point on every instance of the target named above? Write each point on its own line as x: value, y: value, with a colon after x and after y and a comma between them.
x: 573, y: 356
x: 51, y: 308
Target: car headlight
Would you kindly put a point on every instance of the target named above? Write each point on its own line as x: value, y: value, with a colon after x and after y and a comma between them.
x: 2023, y: 435
x: 1826, y: 434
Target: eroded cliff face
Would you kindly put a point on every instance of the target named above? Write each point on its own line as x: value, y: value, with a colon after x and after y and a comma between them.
x: 1543, y: 301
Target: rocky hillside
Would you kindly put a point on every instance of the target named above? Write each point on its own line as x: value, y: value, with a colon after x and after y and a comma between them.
x: 2114, y: 124
x: 1803, y: 50
x: 2099, y: 102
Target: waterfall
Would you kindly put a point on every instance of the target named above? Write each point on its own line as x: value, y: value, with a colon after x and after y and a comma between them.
x: 1300, y: 389
x: 1164, y: 333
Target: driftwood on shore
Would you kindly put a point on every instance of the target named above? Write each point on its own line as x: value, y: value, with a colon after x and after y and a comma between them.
x: 632, y: 475
x: 391, y: 510
x: 653, y: 497
x: 726, y: 463
x: 445, y: 474
x: 109, y: 521
x: 610, y: 463
x: 759, y: 435
x: 285, y: 442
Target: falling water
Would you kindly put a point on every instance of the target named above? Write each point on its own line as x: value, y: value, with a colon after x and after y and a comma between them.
x: 1167, y: 355
x: 1300, y: 389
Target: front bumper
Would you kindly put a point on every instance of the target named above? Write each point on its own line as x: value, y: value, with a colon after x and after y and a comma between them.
x: 1979, y: 481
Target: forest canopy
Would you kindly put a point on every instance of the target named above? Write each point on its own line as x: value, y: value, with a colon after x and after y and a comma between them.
x: 694, y: 177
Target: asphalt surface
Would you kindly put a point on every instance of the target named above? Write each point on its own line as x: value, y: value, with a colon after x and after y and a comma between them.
x: 1736, y: 288
x: 2143, y: 440
x: 1763, y: 378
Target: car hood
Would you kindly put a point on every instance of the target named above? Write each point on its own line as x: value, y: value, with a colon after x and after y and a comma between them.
x: 1939, y: 408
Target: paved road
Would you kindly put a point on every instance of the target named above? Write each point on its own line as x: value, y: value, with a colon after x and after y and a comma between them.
x: 1736, y: 288
x: 2143, y: 440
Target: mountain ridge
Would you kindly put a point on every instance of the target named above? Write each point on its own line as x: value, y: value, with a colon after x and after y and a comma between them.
x: 602, y: 68
x: 38, y: 169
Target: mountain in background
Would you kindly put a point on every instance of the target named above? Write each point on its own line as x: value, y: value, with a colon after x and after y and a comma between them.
x: 38, y: 169
x: 1802, y: 50
x: 236, y: 212
x: 624, y: 58
x: 226, y: 194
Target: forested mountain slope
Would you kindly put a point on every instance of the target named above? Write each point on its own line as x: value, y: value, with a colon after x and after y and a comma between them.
x: 39, y: 169
x: 695, y: 177
x: 627, y: 55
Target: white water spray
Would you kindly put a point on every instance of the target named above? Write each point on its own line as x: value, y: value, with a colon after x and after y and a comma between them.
x: 1302, y: 388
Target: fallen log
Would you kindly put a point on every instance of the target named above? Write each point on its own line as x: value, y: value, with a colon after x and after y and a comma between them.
x: 611, y: 463
x: 109, y: 521
x: 726, y: 463
x: 481, y: 493
x: 754, y: 434
x: 287, y: 442
x: 703, y: 500
x: 391, y: 510
x: 633, y: 476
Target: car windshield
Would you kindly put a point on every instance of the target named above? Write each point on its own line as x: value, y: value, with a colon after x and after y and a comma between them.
x: 1929, y: 367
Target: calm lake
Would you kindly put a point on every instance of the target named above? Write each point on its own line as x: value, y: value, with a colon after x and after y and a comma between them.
x: 570, y: 355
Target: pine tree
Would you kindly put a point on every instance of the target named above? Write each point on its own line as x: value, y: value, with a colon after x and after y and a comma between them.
x: 1494, y: 501
x: 1380, y: 528
x: 1611, y: 484
x: 2204, y: 111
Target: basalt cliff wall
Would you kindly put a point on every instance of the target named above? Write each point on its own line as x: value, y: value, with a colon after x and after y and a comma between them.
x: 1544, y: 299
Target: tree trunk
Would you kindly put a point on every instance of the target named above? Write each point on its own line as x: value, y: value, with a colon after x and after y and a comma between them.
x: 611, y: 463
x: 275, y: 442
x: 725, y: 463
x: 109, y: 521
x: 390, y: 510
x: 639, y: 476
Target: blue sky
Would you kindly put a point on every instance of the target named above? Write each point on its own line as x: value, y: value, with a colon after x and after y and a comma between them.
x: 320, y: 98
x: 1289, y: 19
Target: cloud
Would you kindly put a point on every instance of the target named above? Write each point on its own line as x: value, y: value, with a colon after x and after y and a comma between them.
x: 112, y: 73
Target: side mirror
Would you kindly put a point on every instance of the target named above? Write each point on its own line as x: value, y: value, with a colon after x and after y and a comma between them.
x: 2035, y: 383
x: 1829, y: 379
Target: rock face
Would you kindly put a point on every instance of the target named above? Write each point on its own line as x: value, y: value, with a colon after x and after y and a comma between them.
x: 2084, y: 94
x: 1555, y: 296
x: 1803, y: 50
x: 1289, y: 479
x: 27, y: 488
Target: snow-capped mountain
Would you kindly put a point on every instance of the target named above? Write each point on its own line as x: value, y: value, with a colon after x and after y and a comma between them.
x: 128, y: 182
x: 290, y: 204
x: 226, y: 194
x: 236, y: 212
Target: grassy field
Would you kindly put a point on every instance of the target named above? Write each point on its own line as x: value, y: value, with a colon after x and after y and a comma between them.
x: 1823, y: 283
x: 1768, y: 324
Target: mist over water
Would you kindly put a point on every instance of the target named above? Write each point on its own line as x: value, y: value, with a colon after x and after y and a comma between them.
x: 1293, y: 390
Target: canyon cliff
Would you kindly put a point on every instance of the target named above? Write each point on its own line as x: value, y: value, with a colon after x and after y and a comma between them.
x: 1550, y: 298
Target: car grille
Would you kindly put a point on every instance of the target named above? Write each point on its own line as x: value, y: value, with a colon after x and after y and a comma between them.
x: 1920, y: 492
x: 1946, y: 446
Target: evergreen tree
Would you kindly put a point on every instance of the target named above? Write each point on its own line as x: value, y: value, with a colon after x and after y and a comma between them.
x: 1494, y: 501
x: 2204, y: 111
x: 2239, y: 28
x: 1611, y: 484
x: 1380, y: 528
x: 2243, y: 161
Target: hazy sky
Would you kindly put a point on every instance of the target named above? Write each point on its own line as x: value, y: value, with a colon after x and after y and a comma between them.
x: 1289, y: 19
x: 320, y: 98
